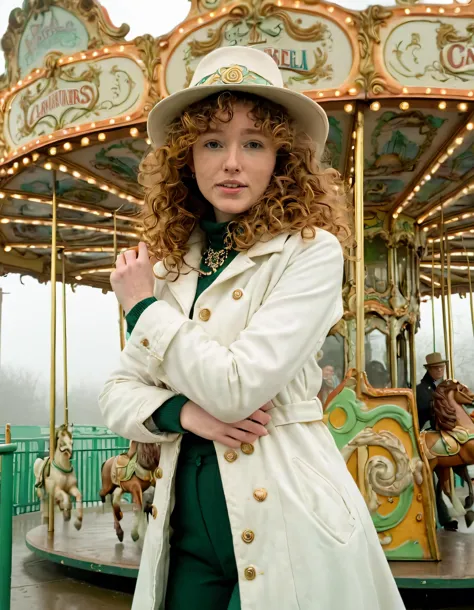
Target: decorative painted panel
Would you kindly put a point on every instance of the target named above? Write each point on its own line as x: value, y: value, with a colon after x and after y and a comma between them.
x: 432, y: 52
x: 75, y: 94
x: 378, y: 438
x: 312, y: 52
x: 54, y: 30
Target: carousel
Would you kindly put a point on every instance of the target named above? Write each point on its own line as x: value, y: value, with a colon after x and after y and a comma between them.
x: 398, y: 86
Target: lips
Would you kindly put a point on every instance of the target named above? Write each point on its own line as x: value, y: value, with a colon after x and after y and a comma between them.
x: 232, y: 184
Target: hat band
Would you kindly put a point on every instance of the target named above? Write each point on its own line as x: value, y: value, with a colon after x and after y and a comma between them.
x: 233, y: 75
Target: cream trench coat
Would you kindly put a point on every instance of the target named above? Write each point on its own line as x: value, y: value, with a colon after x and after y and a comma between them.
x: 253, y: 338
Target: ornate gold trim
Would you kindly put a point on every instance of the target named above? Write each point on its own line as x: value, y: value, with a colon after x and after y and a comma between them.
x: 95, y: 19
x: 369, y: 23
x: 150, y: 56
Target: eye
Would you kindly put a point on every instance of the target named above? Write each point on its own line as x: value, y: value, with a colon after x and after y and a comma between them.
x: 254, y: 145
x: 212, y: 145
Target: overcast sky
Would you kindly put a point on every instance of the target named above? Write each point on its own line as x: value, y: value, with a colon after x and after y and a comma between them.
x: 92, y: 317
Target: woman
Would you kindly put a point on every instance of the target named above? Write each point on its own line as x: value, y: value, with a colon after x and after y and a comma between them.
x: 220, y: 367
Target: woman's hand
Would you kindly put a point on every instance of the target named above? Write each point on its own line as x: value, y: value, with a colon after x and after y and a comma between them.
x: 133, y: 280
x: 200, y: 422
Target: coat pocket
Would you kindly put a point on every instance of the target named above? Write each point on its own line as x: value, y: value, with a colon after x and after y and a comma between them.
x: 324, y: 502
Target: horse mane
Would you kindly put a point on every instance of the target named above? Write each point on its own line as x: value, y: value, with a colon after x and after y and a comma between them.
x: 445, y: 413
x: 148, y: 455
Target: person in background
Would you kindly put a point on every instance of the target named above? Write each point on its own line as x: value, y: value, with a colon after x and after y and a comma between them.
x: 435, y: 370
x: 377, y: 374
x: 329, y: 383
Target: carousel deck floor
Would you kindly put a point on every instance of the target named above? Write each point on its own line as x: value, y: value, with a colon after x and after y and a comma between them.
x: 84, y: 570
x: 40, y: 584
x: 95, y: 547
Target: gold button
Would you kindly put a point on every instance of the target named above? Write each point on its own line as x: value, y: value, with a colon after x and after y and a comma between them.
x: 237, y: 294
x: 158, y: 473
x: 250, y: 573
x: 247, y: 448
x: 145, y: 342
x: 231, y: 455
x: 205, y: 314
x: 154, y: 511
x: 260, y: 494
x: 248, y: 536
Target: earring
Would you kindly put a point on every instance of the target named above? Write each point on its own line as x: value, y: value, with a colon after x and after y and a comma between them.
x: 193, y: 176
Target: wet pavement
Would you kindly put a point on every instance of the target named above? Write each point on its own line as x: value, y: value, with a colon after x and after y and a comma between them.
x: 39, y: 584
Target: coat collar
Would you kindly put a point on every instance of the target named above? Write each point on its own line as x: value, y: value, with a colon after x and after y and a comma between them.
x: 184, y: 287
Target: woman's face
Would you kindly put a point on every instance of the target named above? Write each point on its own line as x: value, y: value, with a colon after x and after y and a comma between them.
x: 233, y: 163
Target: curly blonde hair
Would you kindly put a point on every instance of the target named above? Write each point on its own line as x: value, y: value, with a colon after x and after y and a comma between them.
x: 300, y: 197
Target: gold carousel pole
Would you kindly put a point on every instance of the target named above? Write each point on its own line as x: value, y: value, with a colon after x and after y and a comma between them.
x: 443, y: 300
x: 471, y: 302
x: 359, y: 234
x: 52, y: 388
x: 450, y: 314
x: 433, y: 298
x: 65, y: 371
x: 121, y: 325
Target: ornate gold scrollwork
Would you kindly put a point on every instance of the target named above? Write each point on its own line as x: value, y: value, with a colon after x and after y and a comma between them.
x: 97, y: 23
x: 369, y: 23
x: 147, y: 48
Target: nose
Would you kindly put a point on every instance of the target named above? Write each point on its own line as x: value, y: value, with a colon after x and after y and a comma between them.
x: 232, y: 161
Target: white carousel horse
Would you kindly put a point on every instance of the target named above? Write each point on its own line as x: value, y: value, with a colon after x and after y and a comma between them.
x: 57, y: 478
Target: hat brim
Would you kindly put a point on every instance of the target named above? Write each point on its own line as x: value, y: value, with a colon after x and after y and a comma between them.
x: 436, y: 363
x: 310, y: 118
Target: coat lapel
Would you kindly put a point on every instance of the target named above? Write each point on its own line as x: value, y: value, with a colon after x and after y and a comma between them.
x: 184, y: 287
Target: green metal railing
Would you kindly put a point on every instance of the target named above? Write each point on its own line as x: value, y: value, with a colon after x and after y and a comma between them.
x: 7, y: 453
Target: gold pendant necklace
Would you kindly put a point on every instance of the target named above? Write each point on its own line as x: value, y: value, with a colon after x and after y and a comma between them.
x: 216, y: 258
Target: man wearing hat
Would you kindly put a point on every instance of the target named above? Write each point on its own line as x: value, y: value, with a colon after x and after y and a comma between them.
x: 435, y: 369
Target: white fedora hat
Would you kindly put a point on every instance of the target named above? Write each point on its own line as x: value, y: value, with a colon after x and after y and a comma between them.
x: 240, y: 69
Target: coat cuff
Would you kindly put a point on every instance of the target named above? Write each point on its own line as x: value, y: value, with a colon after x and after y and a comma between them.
x: 168, y: 417
x: 134, y: 314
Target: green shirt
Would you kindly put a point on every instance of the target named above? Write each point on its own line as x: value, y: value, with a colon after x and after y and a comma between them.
x: 167, y: 417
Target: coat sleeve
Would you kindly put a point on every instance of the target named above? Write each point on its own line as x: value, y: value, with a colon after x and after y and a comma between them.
x: 232, y: 382
x: 130, y: 398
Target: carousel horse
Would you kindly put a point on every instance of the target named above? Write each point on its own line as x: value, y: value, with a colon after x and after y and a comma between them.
x: 133, y: 472
x: 450, y: 448
x: 57, y: 478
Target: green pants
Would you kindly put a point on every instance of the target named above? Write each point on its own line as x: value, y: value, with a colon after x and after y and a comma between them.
x: 203, y: 572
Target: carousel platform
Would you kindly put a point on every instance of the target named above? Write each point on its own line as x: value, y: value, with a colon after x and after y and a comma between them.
x: 454, y: 571
x: 96, y: 549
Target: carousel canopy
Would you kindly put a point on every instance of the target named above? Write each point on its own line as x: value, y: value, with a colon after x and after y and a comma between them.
x: 75, y: 97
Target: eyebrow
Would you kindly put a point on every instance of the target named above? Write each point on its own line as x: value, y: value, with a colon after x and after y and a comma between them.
x: 250, y: 131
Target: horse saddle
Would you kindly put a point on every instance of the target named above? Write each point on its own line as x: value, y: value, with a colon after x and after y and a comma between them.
x: 124, y: 467
x: 44, y: 472
x: 449, y: 443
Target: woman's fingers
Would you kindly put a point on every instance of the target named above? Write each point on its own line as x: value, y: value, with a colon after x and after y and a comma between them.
x: 261, y: 417
x: 240, y: 435
x: 228, y: 441
x: 130, y: 256
x: 269, y: 405
x: 143, y: 252
x: 252, y: 427
x: 120, y: 262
